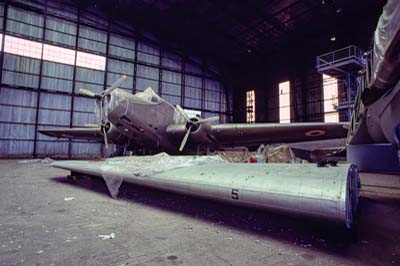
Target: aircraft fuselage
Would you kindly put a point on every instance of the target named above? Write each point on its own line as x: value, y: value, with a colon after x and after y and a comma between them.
x: 142, y: 117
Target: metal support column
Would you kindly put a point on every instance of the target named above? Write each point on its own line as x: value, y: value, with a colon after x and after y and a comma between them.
x: 203, y: 92
x: 39, y: 85
x: 160, y: 72
x: 102, y: 148
x: 71, y: 117
x: 5, y: 12
x: 183, y: 82
x: 348, y: 95
x: 135, y: 62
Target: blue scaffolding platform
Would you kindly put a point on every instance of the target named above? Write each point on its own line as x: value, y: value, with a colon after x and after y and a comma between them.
x: 343, y: 64
x: 348, y: 60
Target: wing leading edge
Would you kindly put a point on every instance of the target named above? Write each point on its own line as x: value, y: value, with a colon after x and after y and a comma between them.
x: 85, y: 133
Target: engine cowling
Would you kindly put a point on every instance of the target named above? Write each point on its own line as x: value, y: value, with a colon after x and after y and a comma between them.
x: 114, y: 135
x: 200, y: 133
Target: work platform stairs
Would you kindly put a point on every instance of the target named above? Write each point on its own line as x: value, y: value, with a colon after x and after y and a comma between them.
x: 344, y: 64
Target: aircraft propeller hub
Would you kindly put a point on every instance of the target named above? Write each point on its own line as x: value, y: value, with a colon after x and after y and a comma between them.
x: 107, y: 126
x: 192, y: 124
x: 192, y: 127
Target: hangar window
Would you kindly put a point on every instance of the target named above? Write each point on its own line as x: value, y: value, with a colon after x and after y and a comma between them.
x: 284, y: 102
x: 32, y: 49
x: 18, y: 46
x: 58, y: 54
x: 330, y: 90
x: 250, y: 106
x: 192, y: 113
x: 90, y: 61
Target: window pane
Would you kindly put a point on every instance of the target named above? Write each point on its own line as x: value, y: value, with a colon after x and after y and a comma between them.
x: 18, y: 46
x: 330, y: 87
x: 250, y: 107
x: 58, y: 54
x: 192, y: 113
x: 284, y: 102
x: 91, y: 61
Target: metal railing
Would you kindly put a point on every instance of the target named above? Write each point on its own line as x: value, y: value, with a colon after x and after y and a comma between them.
x: 348, y: 53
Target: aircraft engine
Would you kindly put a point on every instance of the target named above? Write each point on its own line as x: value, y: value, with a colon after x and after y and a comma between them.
x: 193, y: 125
x: 200, y: 133
x: 115, y: 135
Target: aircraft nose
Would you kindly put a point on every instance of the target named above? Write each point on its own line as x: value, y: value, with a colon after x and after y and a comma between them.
x: 114, y: 101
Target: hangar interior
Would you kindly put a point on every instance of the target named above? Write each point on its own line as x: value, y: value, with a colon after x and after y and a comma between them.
x: 206, y: 59
x: 233, y: 75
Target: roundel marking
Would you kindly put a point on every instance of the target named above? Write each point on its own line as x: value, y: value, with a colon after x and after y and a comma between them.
x: 315, y: 133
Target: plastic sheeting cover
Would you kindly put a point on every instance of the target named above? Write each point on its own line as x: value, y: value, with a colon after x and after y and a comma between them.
x: 278, y: 154
x: 144, y: 166
x: 149, y: 95
x: 274, y: 153
x: 386, y: 30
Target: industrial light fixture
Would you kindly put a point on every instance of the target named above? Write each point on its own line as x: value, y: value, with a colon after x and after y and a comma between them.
x: 333, y: 38
x: 249, y: 51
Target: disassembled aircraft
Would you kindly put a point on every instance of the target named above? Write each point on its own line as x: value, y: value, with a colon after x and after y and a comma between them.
x: 325, y: 193
x: 146, y: 120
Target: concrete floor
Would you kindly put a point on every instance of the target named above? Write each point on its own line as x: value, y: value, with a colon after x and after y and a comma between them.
x: 40, y: 226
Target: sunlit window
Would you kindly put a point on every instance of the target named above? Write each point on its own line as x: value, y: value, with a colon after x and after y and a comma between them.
x: 250, y: 107
x: 192, y: 113
x: 330, y: 86
x: 59, y: 54
x: 284, y: 102
x: 18, y: 46
x: 27, y: 48
x: 91, y: 61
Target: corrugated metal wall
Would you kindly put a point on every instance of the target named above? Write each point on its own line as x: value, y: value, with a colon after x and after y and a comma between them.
x: 39, y: 90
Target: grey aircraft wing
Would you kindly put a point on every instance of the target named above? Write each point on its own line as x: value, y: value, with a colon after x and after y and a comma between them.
x: 85, y: 133
x: 265, y: 133
x: 242, y: 134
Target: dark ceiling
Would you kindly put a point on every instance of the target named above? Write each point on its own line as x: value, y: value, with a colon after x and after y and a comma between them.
x: 240, y: 31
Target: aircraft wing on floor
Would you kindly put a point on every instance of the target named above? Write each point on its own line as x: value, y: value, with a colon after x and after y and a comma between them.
x: 85, y: 133
x: 301, y: 189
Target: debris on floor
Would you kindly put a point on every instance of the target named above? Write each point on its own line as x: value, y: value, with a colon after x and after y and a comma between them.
x: 69, y: 198
x: 104, y: 237
x: 45, y: 160
x: 188, y: 228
